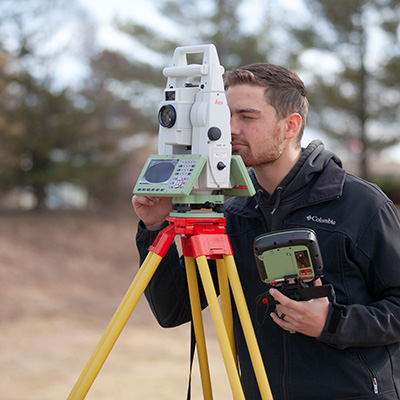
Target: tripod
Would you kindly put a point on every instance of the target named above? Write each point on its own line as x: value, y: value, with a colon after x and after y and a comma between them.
x: 203, y: 237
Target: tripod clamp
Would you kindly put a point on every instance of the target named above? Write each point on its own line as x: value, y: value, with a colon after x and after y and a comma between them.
x: 208, y: 205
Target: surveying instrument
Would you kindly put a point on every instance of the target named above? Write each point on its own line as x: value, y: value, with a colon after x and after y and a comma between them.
x: 195, y: 167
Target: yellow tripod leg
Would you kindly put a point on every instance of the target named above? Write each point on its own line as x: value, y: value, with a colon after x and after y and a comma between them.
x: 248, y: 330
x: 226, y: 305
x: 115, y: 327
x: 219, y: 325
x: 110, y: 325
x: 198, y: 327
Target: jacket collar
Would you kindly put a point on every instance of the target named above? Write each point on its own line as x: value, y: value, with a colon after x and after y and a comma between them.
x: 316, y: 167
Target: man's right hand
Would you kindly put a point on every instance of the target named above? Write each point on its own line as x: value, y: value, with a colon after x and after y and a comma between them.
x: 152, y: 210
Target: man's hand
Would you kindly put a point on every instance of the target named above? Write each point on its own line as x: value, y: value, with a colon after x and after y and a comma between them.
x: 152, y: 210
x: 306, y: 317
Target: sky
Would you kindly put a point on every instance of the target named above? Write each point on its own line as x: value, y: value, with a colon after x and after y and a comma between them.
x: 104, y: 12
x: 107, y: 10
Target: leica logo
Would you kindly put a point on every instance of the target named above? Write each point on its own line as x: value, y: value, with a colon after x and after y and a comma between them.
x: 219, y: 102
x: 321, y: 220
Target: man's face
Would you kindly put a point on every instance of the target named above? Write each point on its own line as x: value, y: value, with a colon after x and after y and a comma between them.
x: 257, y: 135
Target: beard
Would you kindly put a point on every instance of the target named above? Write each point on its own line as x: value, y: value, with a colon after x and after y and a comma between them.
x: 262, y: 154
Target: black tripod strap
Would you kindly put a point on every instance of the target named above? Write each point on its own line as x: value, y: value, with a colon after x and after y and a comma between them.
x: 192, y: 350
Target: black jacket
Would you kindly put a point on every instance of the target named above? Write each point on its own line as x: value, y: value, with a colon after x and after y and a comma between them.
x: 357, y: 355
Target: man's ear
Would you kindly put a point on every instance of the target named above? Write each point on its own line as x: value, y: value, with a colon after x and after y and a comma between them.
x: 293, y: 125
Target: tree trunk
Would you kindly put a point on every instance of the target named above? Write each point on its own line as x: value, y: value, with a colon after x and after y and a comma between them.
x: 40, y: 194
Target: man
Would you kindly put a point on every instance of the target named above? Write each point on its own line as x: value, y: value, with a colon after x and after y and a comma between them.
x: 343, y: 348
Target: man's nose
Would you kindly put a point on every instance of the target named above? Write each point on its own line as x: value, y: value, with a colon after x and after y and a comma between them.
x: 234, y: 126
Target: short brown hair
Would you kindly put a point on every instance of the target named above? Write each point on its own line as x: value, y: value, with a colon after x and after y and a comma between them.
x: 284, y: 90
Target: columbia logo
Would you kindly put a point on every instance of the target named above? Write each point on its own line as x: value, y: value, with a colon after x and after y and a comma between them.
x: 321, y: 220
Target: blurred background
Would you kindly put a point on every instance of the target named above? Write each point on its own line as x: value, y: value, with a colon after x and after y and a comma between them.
x: 80, y: 85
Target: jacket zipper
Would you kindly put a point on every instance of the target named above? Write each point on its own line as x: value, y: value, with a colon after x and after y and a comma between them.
x: 375, y: 385
x: 370, y: 371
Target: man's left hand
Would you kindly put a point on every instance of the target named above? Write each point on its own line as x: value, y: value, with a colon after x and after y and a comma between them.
x: 306, y: 317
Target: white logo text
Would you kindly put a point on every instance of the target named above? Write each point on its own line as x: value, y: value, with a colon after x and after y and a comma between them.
x: 321, y: 220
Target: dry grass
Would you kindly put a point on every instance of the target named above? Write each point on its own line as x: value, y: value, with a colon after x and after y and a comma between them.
x: 62, y: 277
